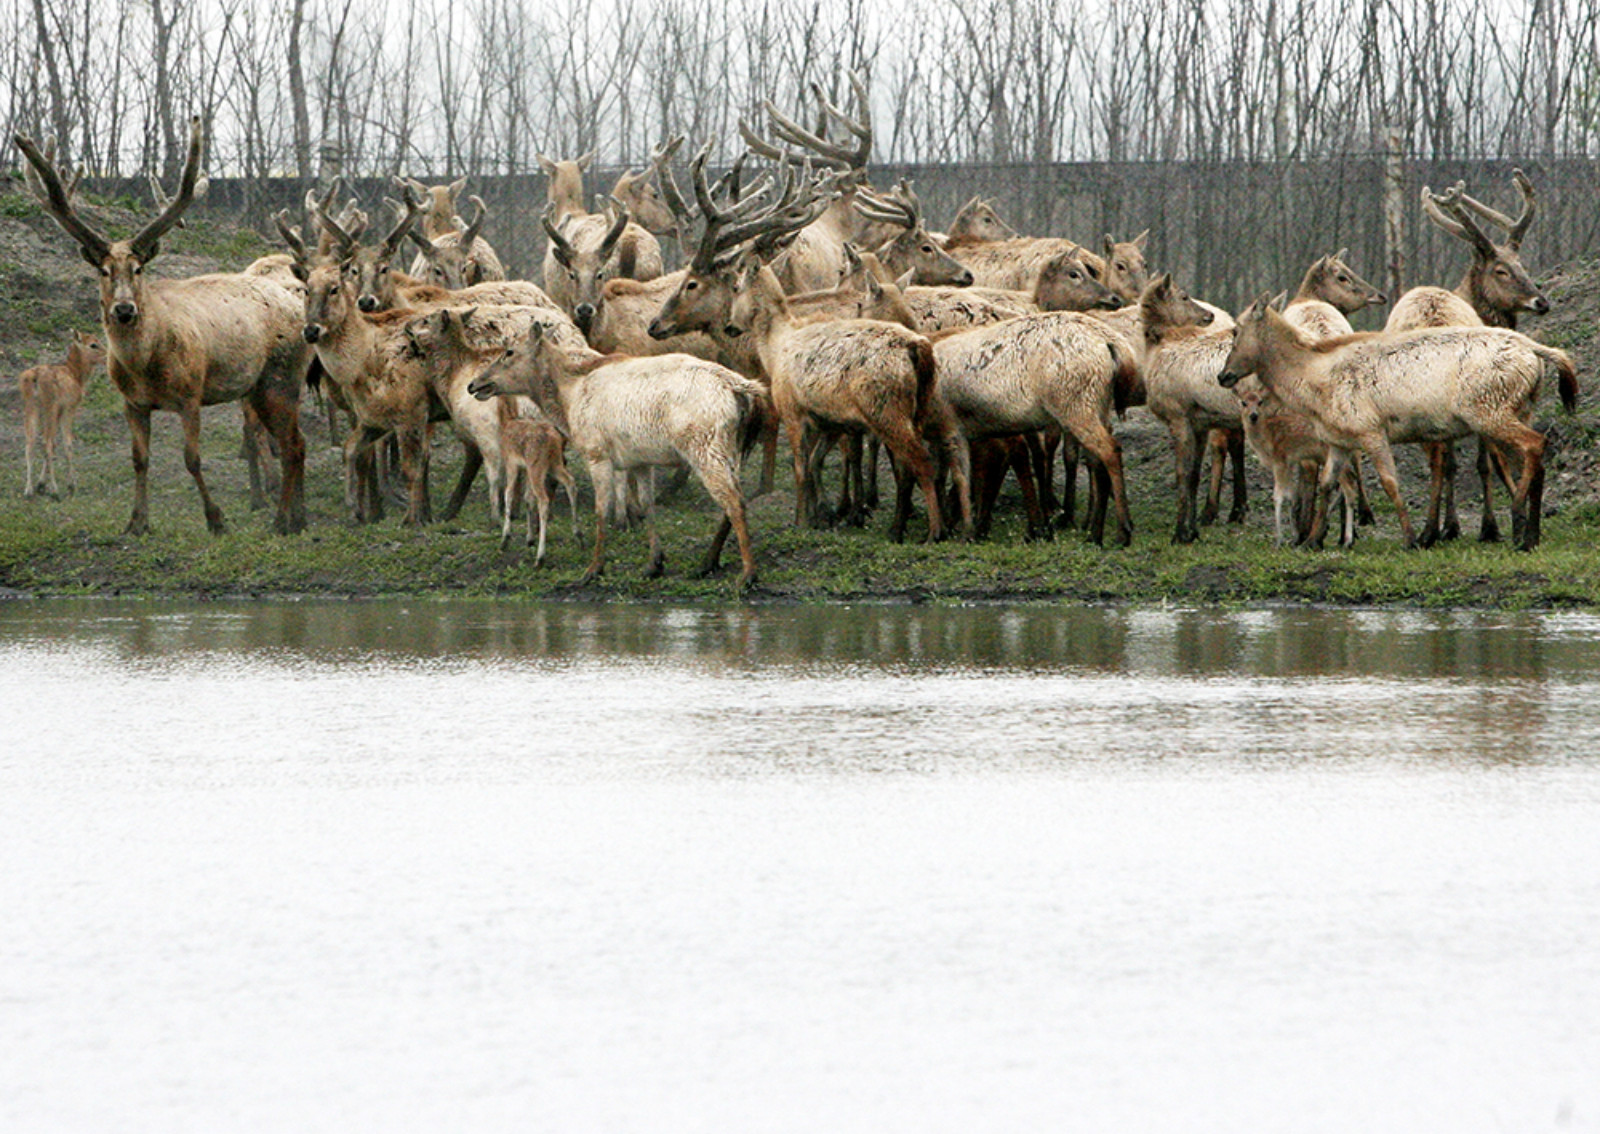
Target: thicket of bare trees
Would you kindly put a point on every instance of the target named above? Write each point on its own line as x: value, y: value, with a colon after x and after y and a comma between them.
x: 302, y: 88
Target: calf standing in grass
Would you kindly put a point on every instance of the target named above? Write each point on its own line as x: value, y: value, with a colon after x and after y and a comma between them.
x: 51, y: 395
x: 626, y: 414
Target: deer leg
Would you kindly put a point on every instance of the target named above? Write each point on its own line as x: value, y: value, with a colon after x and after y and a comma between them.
x: 540, y: 499
x: 1188, y: 443
x: 1439, y: 472
x: 190, y: 416
x: 906, y: 446
x: 722, y: 483
x: 277, y: 415
x: 1020, y: 461
x: 769, y: 455
x: 139, y: 430
x: 508, y: 488
x: 471, y: 462
x: 1235, y: 443
x: 986, y: 477
x: 658, y: 558
x: 600, y: 474
x: 869, y: 478
x: 68, y: 446
x: 1450, y: 528
x: 30, y: 440
x: 413, y: 455
x: 799, y: 455
x: 1101, y: 444
x: 1069, y: 483
x: 1364, y: 513
x: 959, y: 458
x: 1042, y: 445
x: 1383, y: 463
x: 1215, y: 447
x: 1489, y: 529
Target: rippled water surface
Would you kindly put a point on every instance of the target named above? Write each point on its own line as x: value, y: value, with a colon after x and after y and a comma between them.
x: 426, y: 867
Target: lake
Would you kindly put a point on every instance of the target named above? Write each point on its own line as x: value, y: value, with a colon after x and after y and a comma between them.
x: 422, y: 866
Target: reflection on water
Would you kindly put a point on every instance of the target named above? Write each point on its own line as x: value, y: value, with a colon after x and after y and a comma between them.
x: 494, y: 867
x: 1194, y: 643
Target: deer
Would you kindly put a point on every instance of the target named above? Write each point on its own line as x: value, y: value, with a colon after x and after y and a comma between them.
x: 624, y: 414
x: 452, y: 344
x: 51, y: 394
x: 457, y: 259
x: 449, y: 253
x: 1494, y: 291
x: 639, y: 194
x: 586, y: 249
x: 815, y: 259
x: 1058, y: 369
x: 912, y: 249
x: 1365, y: 392
x: 1283, y: 438
x: 535, y: 453
x: 1014, y: 263
x: 179, y: 345
x: 976, y: 222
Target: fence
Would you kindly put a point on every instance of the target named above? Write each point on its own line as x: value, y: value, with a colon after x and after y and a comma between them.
x: 1228, y: 230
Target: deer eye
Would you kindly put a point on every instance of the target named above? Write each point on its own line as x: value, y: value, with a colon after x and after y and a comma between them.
x: 691, y: 285
x: 927, y: 248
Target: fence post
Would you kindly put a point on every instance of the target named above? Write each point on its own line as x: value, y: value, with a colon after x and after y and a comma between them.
x: 1394, y: 199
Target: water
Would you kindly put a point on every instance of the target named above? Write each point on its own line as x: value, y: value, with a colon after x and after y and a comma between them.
x: 322, y: 867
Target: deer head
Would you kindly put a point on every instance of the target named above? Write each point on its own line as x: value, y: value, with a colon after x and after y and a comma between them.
x: 912, y: 249
x: 639, y: 194
x: 120, y: 263
x: 1497, y: 284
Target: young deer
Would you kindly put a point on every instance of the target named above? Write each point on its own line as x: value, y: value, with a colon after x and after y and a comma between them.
x: 51, y: 395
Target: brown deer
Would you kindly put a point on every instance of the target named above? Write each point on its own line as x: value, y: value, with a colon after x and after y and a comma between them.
x: 449, y: 253
x: 1494, y: 290
x: 1365, y: 392
x: 179, y: 345
x: 51, y: 395
x: 587, y: 249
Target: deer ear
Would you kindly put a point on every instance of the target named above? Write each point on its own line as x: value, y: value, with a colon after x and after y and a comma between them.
x: 1280, y: 301
x: 874, y: 287
x: 456, y: 187
x: 1340, y: 255
x: 586, y: 161
x: 1139, y: 241
x: 546, y: 164
x: 905, y: 281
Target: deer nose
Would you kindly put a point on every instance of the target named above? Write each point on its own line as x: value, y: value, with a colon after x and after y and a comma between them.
x: 1541, y: 305
x: 965, y: 279
x: 124, y: 312
x: 659, y: 330
x: 368, y: 303
x: 1255, y: 417
x: 583, y: 315
x: 312, y: 332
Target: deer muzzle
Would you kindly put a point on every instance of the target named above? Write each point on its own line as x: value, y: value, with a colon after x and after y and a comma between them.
x: 312, y: 332
x: 125, y: 312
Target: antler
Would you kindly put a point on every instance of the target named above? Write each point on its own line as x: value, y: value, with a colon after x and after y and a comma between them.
x: 618, y: 212
x: 406, y: 215
x: 479, y: 215
x: 55, y: 198
x: 1515, y: 229
x: 346, y: 241
x: 291, y: 236
x: 559, y: 245
x: 1450, y: 203
x: 899, y: 207
x: 830, y: 153
x: 748, y: 219
x: 147, y: 243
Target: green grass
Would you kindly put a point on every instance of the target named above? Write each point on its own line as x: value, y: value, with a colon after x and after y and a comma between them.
x: 75, y: 546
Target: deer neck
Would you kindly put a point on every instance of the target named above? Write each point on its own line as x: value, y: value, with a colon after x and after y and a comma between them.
x: 1471, y: 289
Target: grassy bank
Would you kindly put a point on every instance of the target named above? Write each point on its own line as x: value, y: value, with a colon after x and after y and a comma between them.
x: 74, y: 545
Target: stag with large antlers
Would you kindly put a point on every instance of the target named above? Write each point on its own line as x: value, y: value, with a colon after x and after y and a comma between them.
x: 815, y: 260
x: 178, y: 345
x: 1494, y: 290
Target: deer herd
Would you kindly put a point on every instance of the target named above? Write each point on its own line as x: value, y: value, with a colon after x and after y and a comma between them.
x: 814, y: 305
